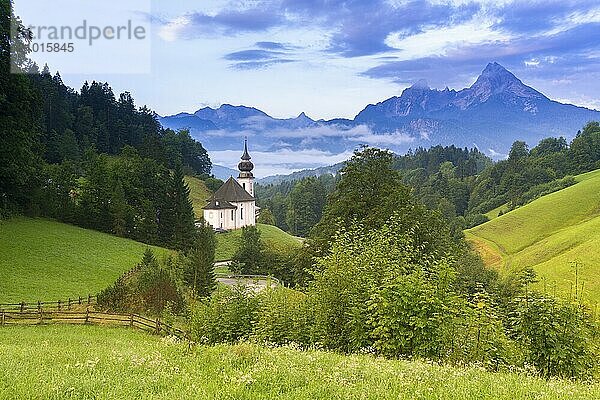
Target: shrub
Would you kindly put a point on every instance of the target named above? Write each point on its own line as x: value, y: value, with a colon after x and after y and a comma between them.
x: 411, y: 315
x: 227, y: 316
x: 150, y: 289
x: 283, y: 317
x: 558, y: 336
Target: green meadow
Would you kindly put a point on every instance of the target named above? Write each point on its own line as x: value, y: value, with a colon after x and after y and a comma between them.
x: 199, y: 193
x: 549, y: 234
x: 93, y: 362
x: 228, y: 243
x: 41, y: 259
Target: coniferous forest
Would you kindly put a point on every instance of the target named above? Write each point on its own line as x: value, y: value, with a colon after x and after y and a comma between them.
x: 90, y: 157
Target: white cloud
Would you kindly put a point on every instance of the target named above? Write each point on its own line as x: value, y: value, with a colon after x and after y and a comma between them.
x: 496, y: 155
x: 171, y: 31
x: 534, y: 62
x: 436, y: 41
x: 392, y: 139
x: 283, y: 161
x: 320, y: 131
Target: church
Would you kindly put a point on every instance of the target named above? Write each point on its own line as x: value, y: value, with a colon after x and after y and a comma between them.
x: 233, y: 205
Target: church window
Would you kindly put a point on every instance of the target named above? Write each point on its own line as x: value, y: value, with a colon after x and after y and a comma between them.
x: 232, y: 215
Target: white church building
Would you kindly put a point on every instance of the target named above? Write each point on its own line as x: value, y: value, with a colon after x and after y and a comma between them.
x: 233, y: 205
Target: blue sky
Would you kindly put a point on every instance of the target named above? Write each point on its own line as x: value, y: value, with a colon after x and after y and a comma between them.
x: 330, y: 58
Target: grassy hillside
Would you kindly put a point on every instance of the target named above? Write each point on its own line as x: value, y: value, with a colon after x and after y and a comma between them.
x: 548, y: 234
x: 227, y: 243
x: 46, y: 260
x: 85, y: 362
x: 199, y: 193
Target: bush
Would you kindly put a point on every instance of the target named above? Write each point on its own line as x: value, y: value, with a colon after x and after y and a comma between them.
x: 476, y: 219
x: 558, y: 336
x: 150, y: 289
x: 412, y: 315
x: 225, y: 317
x: 283, y: 317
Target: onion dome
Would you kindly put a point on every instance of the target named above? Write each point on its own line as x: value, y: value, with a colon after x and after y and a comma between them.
x: 245, y: 165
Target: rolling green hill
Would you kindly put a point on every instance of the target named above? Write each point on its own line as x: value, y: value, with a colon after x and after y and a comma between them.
x: 42, y: 259
x: 227, y: 243
x: 549, y: 234
x: 94, y: 362
x: 199, y: 193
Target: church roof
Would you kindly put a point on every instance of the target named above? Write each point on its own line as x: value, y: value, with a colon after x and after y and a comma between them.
x: 214, y: 204
x: 230, y: 192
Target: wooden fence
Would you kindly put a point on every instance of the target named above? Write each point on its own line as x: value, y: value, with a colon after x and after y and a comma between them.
x: 35, y: 317
x: 59, y: 305
x: 77, y: 311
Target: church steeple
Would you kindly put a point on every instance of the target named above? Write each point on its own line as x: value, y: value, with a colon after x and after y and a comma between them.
x: 246, y: 156
x: 245, y: 166
x: 245, y: 178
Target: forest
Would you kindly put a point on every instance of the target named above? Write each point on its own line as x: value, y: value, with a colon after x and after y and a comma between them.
x: 462, y: 184
x: 89, y: 157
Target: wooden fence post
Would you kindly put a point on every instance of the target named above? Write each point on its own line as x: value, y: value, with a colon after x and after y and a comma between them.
x: 39, y: 306
x: 89, y: 299
x: 79, y: 300
x: 58, y: 302
x: 22, y: 306
x: 131, y: 320
x: 157, y: 326
x: 2, y: 317
x: 69, y: 306
x: 87, y: 315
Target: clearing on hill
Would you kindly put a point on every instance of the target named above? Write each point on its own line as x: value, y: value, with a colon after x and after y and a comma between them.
x: 41, y: 259
x: 228, y: 243
x: 549, y: 234
x: 199, y: 193
x: 58, y: 361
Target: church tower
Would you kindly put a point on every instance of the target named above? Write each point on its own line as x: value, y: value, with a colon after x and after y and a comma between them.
x: 245, y: 178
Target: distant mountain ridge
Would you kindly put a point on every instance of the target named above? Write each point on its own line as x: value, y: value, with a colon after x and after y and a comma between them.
x: 298, y: 175
x: 491, y: 114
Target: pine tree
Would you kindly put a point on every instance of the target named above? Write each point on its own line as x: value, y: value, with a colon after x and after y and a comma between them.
x: 199, y: 273
x: 118, y: 210
x: 249, y: 258
x: 183, y: 212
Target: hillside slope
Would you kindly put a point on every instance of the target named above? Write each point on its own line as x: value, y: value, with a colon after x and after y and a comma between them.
x: 43, y: 260
x: 199, y: 193
x: 228, y: 243
x: 549, y: 234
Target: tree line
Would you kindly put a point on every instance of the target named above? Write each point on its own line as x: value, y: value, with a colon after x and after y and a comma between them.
x: 462, y: 184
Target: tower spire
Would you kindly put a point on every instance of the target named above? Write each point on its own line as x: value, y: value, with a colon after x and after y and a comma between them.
x: 246, y: 156
x: 245, y: 166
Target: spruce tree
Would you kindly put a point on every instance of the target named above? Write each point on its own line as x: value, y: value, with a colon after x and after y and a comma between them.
x: 249, y: 258
x: 199, y: 272
x: 183, y: 212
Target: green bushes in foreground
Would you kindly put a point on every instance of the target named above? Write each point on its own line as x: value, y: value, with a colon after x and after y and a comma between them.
x: 376, y: 292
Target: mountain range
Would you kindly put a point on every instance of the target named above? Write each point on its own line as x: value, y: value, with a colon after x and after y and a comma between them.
x: 491, y: 114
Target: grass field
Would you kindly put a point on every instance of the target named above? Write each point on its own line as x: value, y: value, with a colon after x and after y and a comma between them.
x: 42, y: 259
x: 91, y: 362
x: 228, y: 243
x: 199, y: 193
x: 548, y: 234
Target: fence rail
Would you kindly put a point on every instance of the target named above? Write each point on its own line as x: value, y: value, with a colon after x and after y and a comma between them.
x: 41, y: 316
x: 49, y: 305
